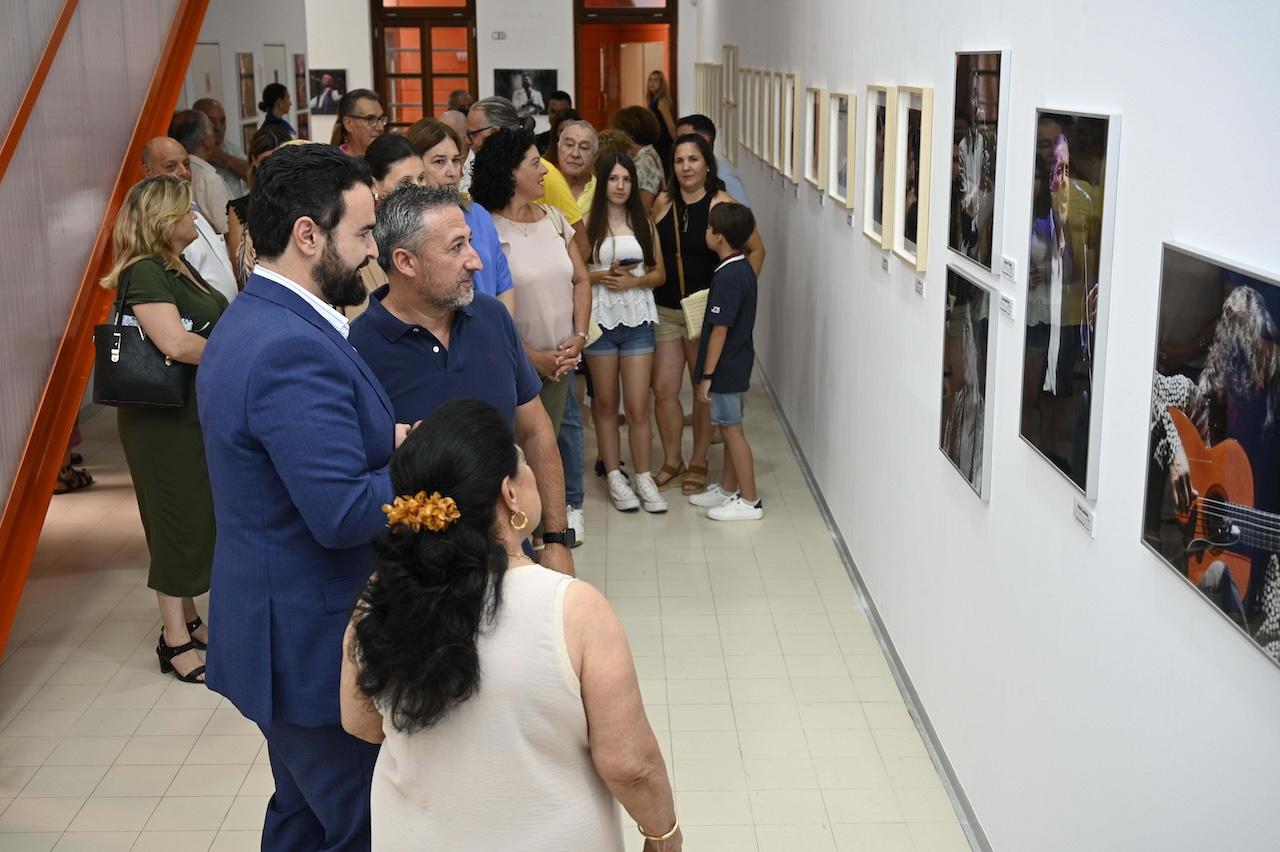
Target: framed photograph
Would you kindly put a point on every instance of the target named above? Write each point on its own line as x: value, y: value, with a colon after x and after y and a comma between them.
x: 762, y: 115
x: 781, y: 109
x: 1068, y: 290
x: 729, y: 62
x: 791, y: 138
x: 815, y: 149
x: 246, y: 134
x: 745, y: 109
x: 300, y: 98
x: 768, y: 136
x: 729, y: 116
x: 881, y: 126
x: 304, y: 125
x: 527, y: 89
x: 327, y: 86
x: 248, y: 85
x: 911, y: 172
x: 965, y: 433
x: 842, y: 147
x: 977, y: 172
x: 1212, y: 508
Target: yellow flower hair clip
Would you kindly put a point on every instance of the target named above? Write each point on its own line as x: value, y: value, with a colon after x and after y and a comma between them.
x: 434, y: 512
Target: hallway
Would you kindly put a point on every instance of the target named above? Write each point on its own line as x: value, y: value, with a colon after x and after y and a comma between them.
x: 782, y: 724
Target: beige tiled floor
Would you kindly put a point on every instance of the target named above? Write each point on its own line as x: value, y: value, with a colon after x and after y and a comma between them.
x: 780, y: 719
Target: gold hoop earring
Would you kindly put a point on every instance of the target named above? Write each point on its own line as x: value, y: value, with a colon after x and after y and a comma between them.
x: 524, y: 520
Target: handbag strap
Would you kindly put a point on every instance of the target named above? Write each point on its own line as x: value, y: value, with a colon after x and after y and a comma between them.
x: 675, y: 226
x: 122, y: 289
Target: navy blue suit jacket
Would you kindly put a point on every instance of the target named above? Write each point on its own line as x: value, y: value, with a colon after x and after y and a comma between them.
x: 298, y: 433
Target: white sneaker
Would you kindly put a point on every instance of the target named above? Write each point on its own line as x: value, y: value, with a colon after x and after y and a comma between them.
x: 578, y: 524
x: 651, y: 499
x: 736, y: 509
x: 620, y: 493
x: 713, y: 496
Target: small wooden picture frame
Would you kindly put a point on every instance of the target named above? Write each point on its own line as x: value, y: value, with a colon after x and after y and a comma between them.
x: 880, y: 126
x: 842, y: 146
x: 729, y: 62
x: 912, y: 166
x: 816, y: 133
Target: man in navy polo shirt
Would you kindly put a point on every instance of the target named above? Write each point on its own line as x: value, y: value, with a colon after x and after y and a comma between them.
x: 429, y: 338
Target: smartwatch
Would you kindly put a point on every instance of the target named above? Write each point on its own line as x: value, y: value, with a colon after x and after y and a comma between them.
x: 564, y: 537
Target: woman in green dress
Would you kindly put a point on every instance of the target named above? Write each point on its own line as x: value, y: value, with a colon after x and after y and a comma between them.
x: 164, y: 448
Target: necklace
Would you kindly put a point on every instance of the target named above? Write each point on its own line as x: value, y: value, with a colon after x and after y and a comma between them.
x: 521, y: 225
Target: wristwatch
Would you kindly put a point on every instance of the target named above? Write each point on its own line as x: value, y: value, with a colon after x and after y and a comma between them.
x: 565, y: 537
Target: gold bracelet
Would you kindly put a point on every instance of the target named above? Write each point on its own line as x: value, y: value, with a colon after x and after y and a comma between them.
x: 663, y: 837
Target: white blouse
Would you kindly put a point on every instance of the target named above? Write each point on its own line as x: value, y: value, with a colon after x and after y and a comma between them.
x: 631, y: 307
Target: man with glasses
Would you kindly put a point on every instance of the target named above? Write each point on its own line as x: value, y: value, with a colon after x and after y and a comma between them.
x: 361, y: 119
x: 489, y: 114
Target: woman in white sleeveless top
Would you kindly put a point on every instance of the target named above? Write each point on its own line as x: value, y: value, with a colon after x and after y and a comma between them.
x: 503, y: 693
x: 619, y: 243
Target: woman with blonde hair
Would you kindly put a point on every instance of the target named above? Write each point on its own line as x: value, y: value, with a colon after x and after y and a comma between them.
x: 662, y: 107
x: 175, y: 309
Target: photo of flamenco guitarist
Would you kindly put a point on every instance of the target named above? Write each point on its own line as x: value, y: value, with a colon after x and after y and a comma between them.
x: 1213, y: 486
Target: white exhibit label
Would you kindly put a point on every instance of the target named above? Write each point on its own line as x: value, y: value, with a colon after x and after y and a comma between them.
x: 1008, y: 269
x: 920, y: 287
x: 1006, y: 306
x: 1083, y: 515
x: 884, y: 263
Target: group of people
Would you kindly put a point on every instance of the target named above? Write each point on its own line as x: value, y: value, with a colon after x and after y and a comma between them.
x: 378, y: 478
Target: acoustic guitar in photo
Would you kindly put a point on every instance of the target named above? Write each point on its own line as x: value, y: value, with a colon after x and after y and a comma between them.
x: 1221, y: 520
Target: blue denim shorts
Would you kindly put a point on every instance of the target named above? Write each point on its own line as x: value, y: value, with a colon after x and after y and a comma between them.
x: 623, y: 341
x: 726, y: 408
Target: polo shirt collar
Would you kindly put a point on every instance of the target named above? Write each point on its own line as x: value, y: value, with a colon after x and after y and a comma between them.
x: 388, y: 324
x: 729, y: 260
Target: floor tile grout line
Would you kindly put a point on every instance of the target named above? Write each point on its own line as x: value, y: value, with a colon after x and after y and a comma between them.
x: 969, y: 822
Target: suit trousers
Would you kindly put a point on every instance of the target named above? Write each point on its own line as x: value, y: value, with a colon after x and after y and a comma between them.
x: 321, y: 802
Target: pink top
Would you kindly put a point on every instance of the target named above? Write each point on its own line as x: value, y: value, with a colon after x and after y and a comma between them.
x: 541, y: 275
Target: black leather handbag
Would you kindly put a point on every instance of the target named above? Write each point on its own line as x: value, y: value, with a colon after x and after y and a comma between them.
x: 129, y: 370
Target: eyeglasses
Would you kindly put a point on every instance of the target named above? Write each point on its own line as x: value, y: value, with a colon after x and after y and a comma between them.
x: 472, y: 134
x: 371, y: 120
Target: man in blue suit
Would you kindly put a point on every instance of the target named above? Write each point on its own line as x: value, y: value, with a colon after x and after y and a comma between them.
x: 298, y: 434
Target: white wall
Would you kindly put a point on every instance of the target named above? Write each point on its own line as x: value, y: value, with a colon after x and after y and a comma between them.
x: 339, y: 36
x: 241, y: 26
x: 539, y: 35
x: 1086, y: 698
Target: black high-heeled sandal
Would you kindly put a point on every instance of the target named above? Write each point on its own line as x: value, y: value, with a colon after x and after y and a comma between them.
x: 192, y: 627
x: 166, y: 654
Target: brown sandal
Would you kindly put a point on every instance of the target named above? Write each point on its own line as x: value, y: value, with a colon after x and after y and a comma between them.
x: 72, y: 479
x: 695, y: 481
x: 669, y: 475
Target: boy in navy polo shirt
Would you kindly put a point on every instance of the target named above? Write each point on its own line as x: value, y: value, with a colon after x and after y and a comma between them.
x: 726, y: 355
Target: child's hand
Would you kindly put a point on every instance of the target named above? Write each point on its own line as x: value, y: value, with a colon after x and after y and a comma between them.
x: 704, y: 390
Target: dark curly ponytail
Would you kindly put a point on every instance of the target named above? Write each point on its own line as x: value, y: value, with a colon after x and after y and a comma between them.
x: 419, y: 616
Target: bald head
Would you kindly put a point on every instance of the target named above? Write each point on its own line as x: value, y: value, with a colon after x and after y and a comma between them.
x: 164, y: 156
x: 457, y: 120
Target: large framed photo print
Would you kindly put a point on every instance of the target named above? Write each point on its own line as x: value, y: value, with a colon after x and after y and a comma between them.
x: 911, y: 176
x: 789, y: 128
x: 967, y: 342
x: 1212, y: 508
x: 877, y: 182
x: 815, y: 149
x: 1068, y: 289
x: 977, y: 182
x: 841, y: 147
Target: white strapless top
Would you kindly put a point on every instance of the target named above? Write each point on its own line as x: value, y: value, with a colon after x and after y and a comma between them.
x: 632, y: 307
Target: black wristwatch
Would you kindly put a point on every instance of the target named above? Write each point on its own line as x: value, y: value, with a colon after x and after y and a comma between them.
x: 565, y: 537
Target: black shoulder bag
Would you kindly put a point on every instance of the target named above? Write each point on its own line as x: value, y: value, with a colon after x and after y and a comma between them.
x: 128, y: 368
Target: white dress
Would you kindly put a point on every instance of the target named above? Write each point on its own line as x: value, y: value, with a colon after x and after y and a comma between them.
x: 510, y: 768
x: 631, y: 307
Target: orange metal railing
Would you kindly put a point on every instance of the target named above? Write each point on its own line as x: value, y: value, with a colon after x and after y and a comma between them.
x: 37, y: 471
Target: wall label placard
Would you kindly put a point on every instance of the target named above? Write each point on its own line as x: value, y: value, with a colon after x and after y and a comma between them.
x: 1008, y: 269
x: 1083, y: 515
x: 1006, y: 306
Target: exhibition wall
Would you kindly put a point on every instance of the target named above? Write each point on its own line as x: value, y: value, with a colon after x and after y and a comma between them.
x: 1087, y: 696
x: 248, y: 26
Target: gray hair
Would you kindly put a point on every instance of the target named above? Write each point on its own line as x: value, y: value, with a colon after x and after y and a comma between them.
x: 500, y: 112
x: 190, y: 127
x: 595, y: 137
x: 401, y: 214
